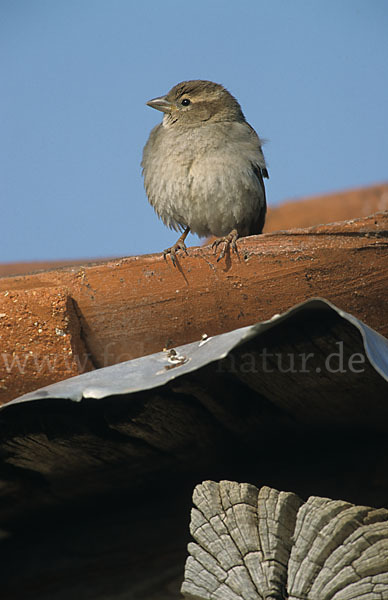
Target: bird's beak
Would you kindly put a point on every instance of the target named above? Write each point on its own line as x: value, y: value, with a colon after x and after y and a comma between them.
x: 161, y: 104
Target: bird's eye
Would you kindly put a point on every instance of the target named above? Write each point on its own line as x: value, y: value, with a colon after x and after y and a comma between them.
x: 185, y: 102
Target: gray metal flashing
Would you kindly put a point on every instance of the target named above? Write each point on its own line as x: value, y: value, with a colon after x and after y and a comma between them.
x: 158, y: 369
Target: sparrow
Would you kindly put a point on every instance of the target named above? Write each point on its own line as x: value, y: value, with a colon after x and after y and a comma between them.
x: 203, y: 167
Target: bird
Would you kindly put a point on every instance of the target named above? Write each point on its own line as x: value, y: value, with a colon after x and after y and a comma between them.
x: 204, y: 167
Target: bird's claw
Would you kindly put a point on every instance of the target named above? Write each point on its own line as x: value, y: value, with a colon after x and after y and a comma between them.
x: 229, y: 241
x: 179, y: 245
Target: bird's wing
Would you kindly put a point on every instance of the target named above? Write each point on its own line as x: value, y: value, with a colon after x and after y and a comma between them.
x: 260, y: 165
x: 258, y: 223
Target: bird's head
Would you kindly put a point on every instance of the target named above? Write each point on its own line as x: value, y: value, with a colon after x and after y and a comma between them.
x: 192, y: 103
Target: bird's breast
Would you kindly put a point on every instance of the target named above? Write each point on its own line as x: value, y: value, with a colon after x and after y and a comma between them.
x: 203, y: 179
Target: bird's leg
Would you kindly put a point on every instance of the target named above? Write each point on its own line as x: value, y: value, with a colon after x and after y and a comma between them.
x: 229, y: 241
x: 179, y: 245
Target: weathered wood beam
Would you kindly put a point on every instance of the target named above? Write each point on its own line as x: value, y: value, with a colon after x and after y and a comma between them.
x: 260, y: 543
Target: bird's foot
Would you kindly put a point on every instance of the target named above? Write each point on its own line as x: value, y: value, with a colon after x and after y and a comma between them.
x: 229, y: 241
x: 179, y: 245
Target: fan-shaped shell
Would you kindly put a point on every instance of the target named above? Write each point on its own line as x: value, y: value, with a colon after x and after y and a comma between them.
x: 256, y: 544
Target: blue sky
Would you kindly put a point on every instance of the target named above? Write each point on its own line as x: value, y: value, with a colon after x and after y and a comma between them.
x: 311, y: 76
